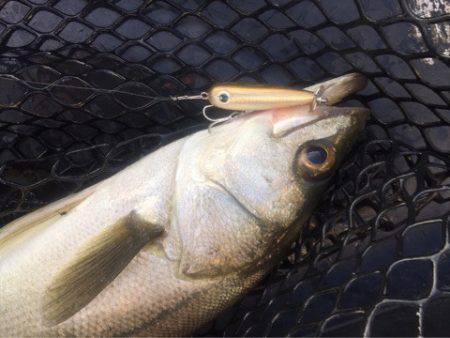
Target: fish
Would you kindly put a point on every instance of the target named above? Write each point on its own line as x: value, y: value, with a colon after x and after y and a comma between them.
x: 165, y: 245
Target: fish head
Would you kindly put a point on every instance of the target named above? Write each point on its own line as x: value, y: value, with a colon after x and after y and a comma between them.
x: 246, y: 188
x: 256, y: 180
x: 277, y: 162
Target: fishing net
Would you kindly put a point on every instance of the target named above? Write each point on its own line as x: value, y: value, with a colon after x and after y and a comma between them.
x: 371, y: 260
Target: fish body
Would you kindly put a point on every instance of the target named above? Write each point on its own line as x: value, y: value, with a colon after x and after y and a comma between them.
x: 166, y: 244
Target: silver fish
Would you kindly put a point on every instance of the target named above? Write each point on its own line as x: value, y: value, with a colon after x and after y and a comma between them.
x: 166, y: 244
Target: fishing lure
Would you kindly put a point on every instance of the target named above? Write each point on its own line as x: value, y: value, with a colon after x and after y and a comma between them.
x: 246, y: 98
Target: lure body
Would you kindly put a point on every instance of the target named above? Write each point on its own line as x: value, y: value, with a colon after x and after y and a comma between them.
x: 240, y: 97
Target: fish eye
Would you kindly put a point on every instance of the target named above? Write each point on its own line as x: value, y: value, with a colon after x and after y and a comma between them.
x: 224, y: 97
x: 316, y: 160
x: 316, y: 155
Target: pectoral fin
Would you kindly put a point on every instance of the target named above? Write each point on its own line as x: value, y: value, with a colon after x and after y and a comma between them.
x: 95, y: 265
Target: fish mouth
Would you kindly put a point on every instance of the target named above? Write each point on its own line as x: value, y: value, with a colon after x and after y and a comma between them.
x: 286, y: 121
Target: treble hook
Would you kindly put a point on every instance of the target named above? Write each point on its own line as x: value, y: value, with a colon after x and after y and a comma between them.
x: 204, y: 96
x: 216, y: 121
x: 318, y: 98
x: 205, y: 115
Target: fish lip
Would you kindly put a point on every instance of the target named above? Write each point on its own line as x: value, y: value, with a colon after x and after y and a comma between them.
x: 293, y: 123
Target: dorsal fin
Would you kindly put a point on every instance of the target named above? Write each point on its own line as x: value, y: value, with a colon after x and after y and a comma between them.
x: 94, y: 265
x: 20, y: 229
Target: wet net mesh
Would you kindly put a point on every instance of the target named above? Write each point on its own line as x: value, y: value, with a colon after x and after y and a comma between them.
x: 373, y: 259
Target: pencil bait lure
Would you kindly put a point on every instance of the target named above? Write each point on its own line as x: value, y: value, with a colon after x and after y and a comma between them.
x: 245, y: 98
x: 250, y: 98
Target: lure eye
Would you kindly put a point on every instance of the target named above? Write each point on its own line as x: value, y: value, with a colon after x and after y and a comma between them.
x: 316, y: 160
x: 224, y: 97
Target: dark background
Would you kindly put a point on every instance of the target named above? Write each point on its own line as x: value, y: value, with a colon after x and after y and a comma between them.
x: 366, y: 263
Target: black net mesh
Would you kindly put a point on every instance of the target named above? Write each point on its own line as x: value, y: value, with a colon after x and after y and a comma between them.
x: 371, y: 259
